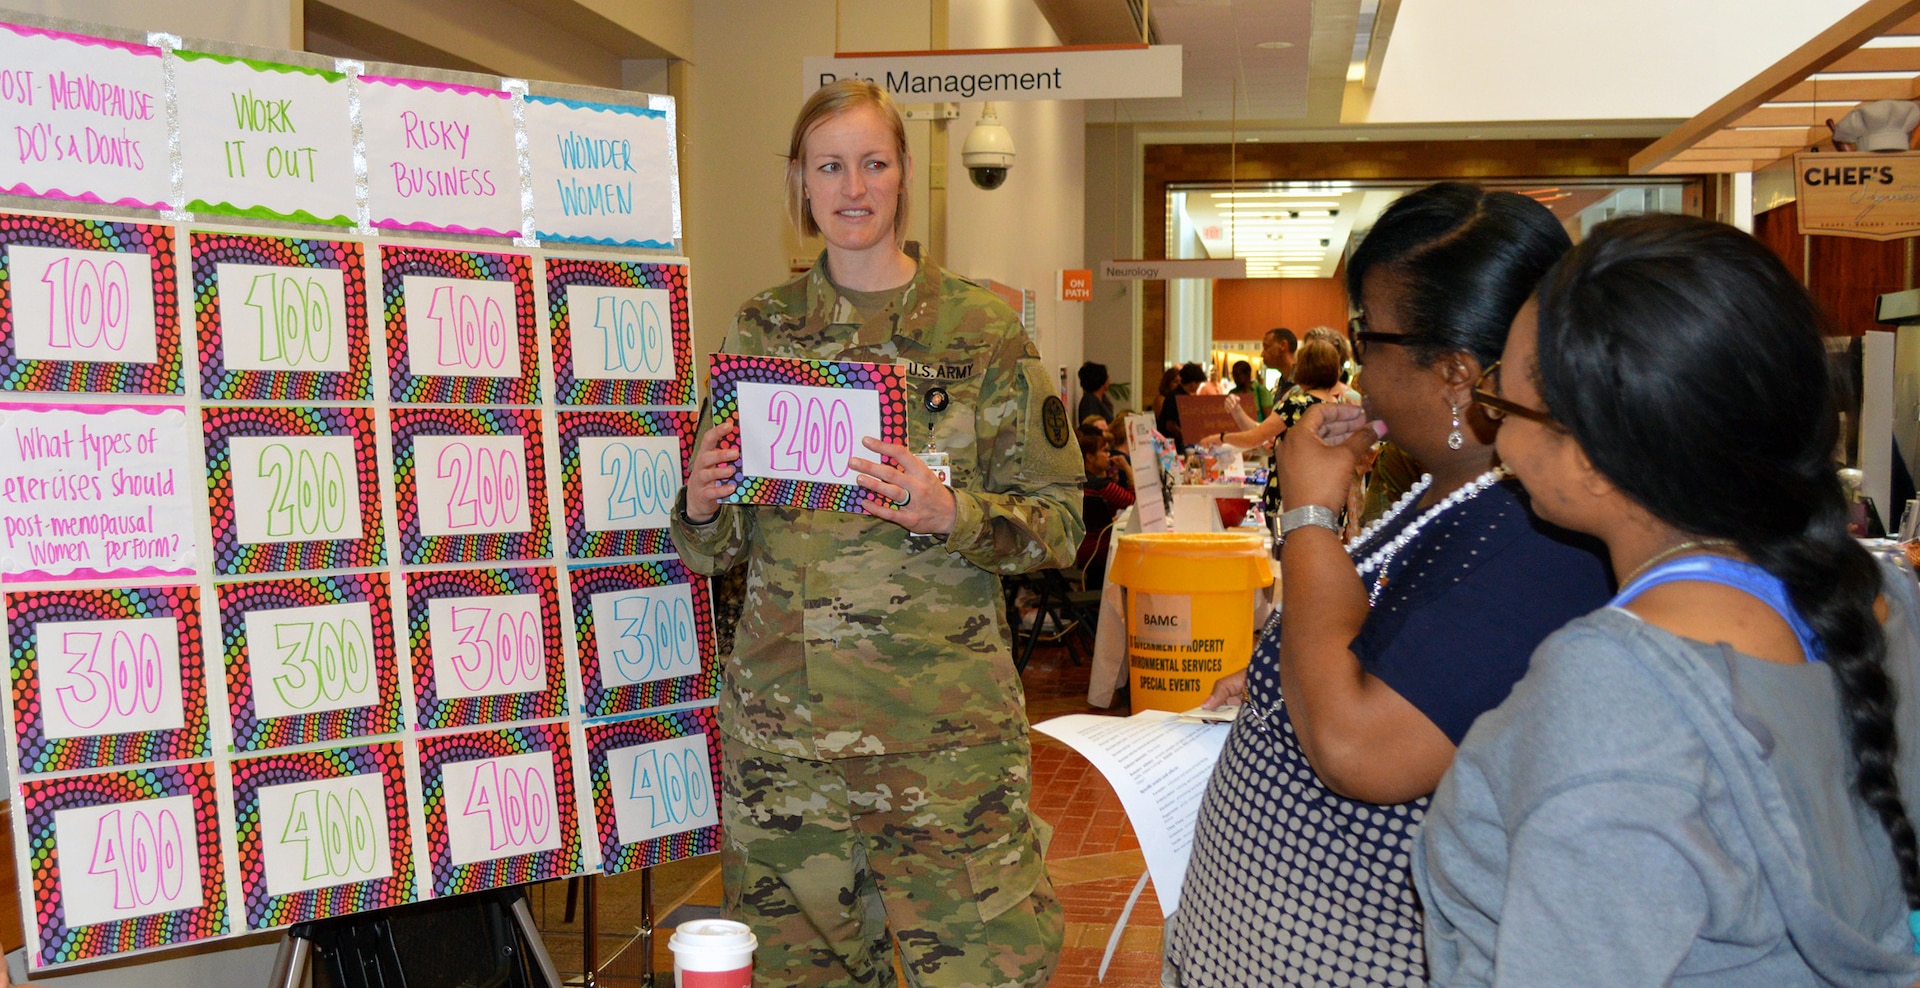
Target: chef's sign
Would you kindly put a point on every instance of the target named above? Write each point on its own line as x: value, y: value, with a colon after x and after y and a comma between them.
x: 1873, y: 195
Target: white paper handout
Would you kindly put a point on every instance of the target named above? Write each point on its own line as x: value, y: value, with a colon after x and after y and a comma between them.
x: 1149, y: 503
x: 1159, y: 766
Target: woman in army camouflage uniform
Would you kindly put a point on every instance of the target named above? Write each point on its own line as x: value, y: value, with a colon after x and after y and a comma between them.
x: 876, y: 770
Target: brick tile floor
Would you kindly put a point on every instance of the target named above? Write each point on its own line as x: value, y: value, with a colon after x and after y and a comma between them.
x: 1094, y: 861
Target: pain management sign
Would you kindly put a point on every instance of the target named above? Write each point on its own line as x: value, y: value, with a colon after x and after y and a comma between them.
x: 1008, y: 74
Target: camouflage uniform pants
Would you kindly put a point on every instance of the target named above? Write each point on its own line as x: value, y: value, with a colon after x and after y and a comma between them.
x: 826, y: 859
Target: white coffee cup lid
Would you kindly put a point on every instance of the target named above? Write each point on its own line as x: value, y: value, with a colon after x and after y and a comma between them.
x: 713, y: 934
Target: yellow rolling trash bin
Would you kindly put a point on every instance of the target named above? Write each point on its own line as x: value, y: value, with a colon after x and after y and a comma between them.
x: 1189, y: 611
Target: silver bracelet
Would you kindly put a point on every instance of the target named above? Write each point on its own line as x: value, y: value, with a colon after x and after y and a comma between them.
x: 1308, y: 515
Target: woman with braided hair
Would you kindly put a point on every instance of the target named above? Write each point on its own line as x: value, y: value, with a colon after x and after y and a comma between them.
x: 1700, y: 784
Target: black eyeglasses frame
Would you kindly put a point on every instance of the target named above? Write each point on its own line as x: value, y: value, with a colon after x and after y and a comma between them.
x: 1497, y: 406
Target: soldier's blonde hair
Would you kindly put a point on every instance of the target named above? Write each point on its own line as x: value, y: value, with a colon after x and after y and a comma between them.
x: 826, y: 103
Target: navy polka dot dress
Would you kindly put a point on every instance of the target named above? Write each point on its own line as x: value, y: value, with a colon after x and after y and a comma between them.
x: 1292, y: 884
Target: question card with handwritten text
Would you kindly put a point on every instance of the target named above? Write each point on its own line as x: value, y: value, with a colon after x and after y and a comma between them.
x: 97, y: 490
x: 800, y: 421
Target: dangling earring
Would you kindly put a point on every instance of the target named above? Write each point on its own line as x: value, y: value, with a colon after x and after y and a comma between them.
x: 1454, y: 439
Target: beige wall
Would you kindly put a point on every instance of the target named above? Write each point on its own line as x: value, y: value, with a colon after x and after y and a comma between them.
x: 1112, y: 319
x: 1026, y: 231
x: 743, y: 90
x: 268, y: 23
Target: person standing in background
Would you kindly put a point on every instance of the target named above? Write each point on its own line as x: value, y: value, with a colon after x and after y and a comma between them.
x: 1212, y: 385
x: 1094, y: 383
x: 875, y: 772
x: 1190, y: 378
x: 1276, y: 353
x: 1246, y: 382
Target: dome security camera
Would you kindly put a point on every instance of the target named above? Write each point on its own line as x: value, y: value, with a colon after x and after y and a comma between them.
x: 988, y: 153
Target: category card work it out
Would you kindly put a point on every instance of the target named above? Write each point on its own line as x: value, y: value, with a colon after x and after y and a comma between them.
x: 800, y: 421
x: 265, y: 139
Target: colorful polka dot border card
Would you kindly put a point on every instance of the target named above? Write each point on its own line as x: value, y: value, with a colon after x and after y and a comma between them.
x: 800, y: 421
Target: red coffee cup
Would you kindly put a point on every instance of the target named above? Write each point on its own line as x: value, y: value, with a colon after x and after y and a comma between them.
x: 712, y: 953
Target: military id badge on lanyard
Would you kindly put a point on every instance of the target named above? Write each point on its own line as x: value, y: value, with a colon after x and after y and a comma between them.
x: 933, y: 456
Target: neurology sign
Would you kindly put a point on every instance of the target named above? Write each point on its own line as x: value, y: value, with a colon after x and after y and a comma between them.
x: 1007, y: 74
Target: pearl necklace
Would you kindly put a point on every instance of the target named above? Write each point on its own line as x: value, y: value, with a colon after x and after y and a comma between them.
x: 1386, y: 517
x: 1377, y: 562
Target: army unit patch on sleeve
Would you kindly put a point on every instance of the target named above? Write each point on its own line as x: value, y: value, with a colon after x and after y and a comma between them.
x: 1053, y: 418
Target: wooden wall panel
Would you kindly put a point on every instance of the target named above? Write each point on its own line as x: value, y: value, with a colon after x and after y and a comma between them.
x: 1846, y: 275
x: 1779, y: 229
x: 1849, y: 274
x: 1245, y: 308
x: 1412, y: 161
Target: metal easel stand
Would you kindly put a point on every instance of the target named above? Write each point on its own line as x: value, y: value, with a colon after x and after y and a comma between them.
x: 486, y: 937
x: 620, y: 967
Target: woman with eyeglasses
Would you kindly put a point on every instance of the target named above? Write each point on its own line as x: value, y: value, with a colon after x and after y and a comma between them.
x: 1704, y: 783
x: 1392, y: 645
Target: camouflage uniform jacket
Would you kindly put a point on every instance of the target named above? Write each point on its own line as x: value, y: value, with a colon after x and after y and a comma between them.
x: 857, y: 637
